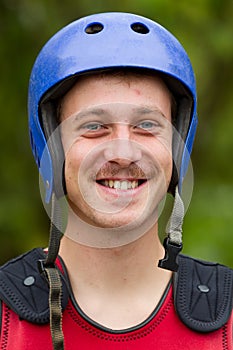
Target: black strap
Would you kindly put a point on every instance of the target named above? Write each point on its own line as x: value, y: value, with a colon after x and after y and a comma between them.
x: 55, y: 295
x: 203, y: 294
x: 51, y: 273
x: 25, y: 290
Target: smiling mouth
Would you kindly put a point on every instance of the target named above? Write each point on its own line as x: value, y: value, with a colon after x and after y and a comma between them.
x: 121, y: 184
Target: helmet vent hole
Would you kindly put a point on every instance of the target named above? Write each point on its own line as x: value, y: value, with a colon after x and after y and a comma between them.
x: 140, y: 28
x: 94, y: 28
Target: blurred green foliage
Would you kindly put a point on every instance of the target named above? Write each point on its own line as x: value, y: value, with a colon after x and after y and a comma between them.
x: 205, y: 28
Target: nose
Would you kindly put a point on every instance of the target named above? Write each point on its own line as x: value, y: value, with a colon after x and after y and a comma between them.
x: 122, y: 149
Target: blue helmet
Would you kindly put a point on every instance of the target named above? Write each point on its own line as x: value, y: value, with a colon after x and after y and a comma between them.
x: 99, y: 42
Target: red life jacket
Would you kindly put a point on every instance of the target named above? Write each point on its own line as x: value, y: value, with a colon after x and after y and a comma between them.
x: 174, y: 324
x: 164, y: 331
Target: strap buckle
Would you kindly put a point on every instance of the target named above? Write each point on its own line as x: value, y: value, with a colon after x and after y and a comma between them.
x: 169, y: 262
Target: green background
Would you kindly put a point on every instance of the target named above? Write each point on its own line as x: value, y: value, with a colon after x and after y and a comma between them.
x: 205, y: 28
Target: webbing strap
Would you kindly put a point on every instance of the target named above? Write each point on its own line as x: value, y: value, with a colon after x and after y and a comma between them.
x: 173, y: 241
x: 55, y: 231
x: 55, y: 295
x: 174, y: 227
x: 54, y: 279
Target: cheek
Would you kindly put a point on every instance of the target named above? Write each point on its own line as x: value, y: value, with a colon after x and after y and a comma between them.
x: 169, y: 169
x: 162, y: 154
x: 167, y: 164
x: 75, y: 153
x: 73, y: 159
x: 80, y: 164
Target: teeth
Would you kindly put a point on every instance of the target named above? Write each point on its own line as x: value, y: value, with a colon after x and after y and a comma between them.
x: 134, y: 184
x: 110, y: 183
x: 124, y: 185
x: 117, y: 184
x: 120, y: 185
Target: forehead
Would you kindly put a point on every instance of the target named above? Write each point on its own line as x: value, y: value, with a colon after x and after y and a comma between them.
x: 121, y: 87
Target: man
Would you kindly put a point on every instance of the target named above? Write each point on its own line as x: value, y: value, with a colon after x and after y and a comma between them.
x: 112, y: 117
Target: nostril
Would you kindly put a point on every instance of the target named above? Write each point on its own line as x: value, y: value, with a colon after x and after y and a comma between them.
x: 140, y: 28
x: 94, y: 28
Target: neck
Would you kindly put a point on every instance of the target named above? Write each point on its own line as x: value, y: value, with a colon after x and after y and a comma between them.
x: 122, y: 275
x: 139, y: 256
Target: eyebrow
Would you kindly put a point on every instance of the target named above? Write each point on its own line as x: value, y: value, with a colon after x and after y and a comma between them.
x: 149, y: 110
x: 91, y: 111
x: 98, y: 111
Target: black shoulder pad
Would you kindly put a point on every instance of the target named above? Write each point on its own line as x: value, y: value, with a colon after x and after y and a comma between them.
x: 203, y: 294
x: 25, y: 290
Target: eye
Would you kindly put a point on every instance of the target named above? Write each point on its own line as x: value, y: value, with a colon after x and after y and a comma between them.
x: 93, y: 126
x: 148, y: 125
x: 94, y: 129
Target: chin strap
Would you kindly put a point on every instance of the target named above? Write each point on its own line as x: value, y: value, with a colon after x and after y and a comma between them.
x: 48, y: 268
x: 173, y: 241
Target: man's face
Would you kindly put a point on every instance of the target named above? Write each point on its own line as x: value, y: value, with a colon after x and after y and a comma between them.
x: 117, y: 135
